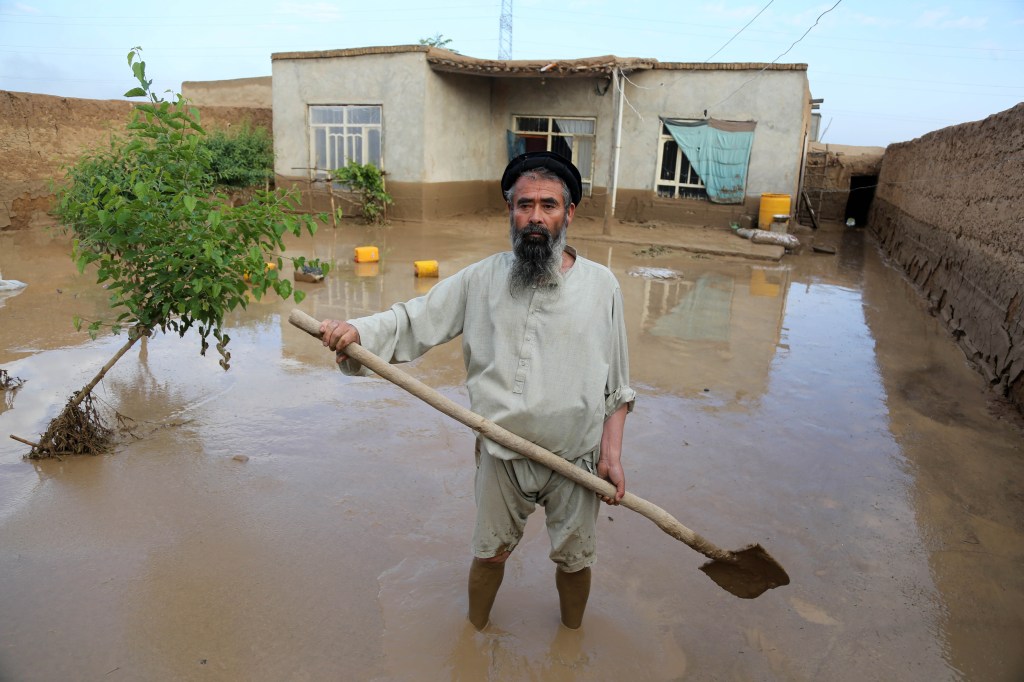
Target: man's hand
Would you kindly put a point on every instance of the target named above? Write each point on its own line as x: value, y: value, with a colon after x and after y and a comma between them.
x: 336, y: 334
x: 612, y: 472
x: 609, y: 466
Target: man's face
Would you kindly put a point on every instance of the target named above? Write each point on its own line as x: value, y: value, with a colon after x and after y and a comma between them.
x: 538, y: 203
x: 537, y: 224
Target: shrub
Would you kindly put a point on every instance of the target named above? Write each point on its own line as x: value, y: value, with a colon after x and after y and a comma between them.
x: 367, y: 181
x: 241, y: 158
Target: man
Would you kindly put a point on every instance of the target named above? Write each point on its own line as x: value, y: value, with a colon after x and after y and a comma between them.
x: 544, y: 341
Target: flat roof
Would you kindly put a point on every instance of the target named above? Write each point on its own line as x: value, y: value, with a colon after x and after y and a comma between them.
x: 447, y: 61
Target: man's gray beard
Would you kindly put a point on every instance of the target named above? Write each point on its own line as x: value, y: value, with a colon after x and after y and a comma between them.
x: 537, y: 262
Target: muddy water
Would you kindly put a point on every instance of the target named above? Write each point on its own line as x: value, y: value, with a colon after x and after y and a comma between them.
x: 811, y: 406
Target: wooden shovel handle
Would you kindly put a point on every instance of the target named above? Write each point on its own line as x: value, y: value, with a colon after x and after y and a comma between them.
x: 499, y: 435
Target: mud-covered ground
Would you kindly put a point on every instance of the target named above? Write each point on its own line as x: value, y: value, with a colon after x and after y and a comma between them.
x: 812, y: 405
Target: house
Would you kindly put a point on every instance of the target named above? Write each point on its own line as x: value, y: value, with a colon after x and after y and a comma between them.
x: 653, y: 140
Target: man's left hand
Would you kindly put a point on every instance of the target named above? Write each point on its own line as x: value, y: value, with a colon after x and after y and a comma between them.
x: 612, y: 472
x: 609, y: 464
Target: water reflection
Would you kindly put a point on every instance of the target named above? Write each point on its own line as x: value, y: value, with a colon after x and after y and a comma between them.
x: 7, y: 398
x: 717, y: 327
x: 8, y: 293
x: 703, y: 311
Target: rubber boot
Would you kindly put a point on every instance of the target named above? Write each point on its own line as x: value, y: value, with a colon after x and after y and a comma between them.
x: 573, y: 591
x: 484, y: 581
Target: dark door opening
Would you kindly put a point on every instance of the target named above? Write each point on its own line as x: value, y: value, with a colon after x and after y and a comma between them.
x: 862, y: 193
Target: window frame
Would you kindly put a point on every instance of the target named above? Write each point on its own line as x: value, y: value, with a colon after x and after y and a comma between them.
x: 686, y: 189
x: 363, y: 136
x: 550, y: 134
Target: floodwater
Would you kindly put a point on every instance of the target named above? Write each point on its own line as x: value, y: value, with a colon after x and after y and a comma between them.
x: 812, y: 406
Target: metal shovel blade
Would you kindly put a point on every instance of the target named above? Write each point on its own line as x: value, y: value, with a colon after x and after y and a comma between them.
x: 752, y: 572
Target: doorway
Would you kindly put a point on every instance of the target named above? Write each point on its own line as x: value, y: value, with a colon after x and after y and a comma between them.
x: 862, y: 193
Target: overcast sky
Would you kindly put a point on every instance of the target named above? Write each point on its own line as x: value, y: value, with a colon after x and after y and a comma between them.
x: 887, y: 70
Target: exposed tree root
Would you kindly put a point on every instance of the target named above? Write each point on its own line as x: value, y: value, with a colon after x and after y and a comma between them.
x: 79, y: 429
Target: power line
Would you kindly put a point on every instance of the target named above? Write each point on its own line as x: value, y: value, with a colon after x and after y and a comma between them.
x: 758, y: 74
x: 740, y: 31
x: 807, y: 31
x: 615, y: 21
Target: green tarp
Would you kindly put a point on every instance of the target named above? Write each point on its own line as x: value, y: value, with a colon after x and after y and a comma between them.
x: 719, y: 151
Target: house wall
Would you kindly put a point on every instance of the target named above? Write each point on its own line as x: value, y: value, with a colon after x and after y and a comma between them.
x: 444, y: 134
x: 949, y: 211
x: 480, y: 148
x: 777, y: 100
x: 458, y: 148
x: 395, y: 81
x: 555, y: 97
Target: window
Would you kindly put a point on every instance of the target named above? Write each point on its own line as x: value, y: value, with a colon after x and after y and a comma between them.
x: 339, y: 134
x: 676, y: 177
x: 572, y: 137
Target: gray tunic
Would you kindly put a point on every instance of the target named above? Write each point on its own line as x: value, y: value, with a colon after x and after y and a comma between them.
x: 549, y: 364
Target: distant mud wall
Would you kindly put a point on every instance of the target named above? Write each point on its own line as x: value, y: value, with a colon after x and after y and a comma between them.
x: 949, y: 210
x: 41, y: 133
x: 237, y: 92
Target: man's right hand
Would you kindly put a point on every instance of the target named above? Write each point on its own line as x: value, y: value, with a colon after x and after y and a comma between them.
x: 336, y: 334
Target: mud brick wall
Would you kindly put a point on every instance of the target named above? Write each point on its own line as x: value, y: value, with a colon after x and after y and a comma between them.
x: 41, y: 133
x: 949, y: 210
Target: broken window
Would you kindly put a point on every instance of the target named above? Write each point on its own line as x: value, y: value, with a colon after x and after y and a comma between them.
x: 677, y: 178
x: 572, y: 137
x: 342, y: 133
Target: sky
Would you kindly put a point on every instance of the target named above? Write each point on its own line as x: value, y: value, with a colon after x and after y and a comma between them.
x: 888, y: 71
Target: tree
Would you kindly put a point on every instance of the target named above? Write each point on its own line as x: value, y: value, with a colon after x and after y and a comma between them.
x: 438, y: 40
x: 172, y: 252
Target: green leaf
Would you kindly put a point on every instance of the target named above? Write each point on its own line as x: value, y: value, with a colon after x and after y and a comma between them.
x: 148, y: 211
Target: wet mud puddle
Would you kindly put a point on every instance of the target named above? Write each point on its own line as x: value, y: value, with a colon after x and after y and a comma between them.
x: 282, y: 521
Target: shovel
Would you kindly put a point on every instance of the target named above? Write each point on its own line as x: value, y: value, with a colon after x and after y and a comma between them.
x: 745, y: 573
